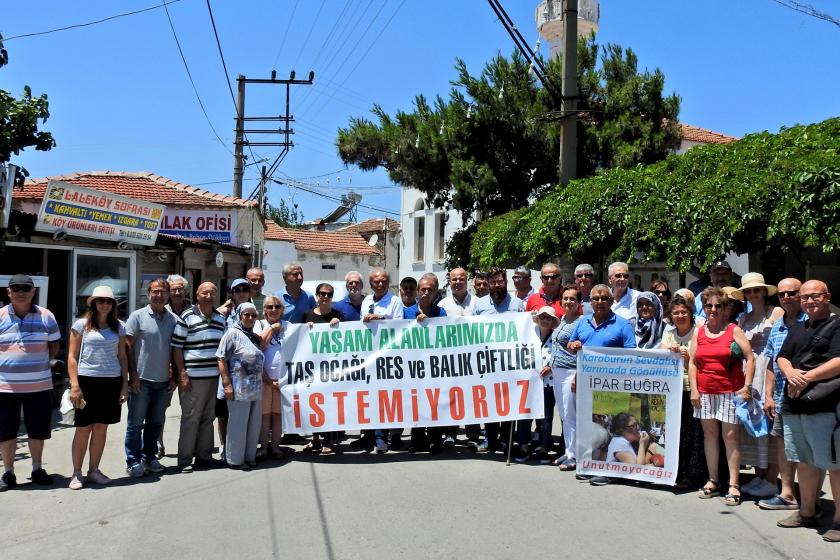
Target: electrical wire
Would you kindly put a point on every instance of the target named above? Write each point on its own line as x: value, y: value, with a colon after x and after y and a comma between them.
x: 333, y: 198
x: 192, y: 82
x: 309, y: 35
x: 77, y: 25
x: 285, y: 34
x: 807, y: 9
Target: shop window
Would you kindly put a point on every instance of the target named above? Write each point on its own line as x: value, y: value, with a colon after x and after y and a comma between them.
x: 104, y: 268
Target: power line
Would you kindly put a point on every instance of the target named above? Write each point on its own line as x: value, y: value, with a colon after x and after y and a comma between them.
x: 77, y: 25
x: 285, y: 34
x: 189, y: 75
x: 309, y: 35
x: 333, y: 198
x: 807, y: 9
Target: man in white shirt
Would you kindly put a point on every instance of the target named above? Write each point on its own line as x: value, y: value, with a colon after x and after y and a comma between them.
x: 459, y: 302
x: 624, y: 297
x: 381, y: 304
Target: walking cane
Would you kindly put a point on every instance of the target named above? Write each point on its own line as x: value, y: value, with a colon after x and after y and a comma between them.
x: 510, y: 442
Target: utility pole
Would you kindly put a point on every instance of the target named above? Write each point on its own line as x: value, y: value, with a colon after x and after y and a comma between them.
x: 241, y: 131
x: 238, y: 158
x: 568, y: 122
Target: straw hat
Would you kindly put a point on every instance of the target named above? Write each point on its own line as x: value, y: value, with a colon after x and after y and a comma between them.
x: 101, y: 292
x: 752, y: 280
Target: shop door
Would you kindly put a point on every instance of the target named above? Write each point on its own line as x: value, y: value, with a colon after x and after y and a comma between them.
x: 115, y: 269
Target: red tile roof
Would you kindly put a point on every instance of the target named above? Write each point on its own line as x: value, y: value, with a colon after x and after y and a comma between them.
x: 704, y: 136
x: 373, y: 225
x: 140, y: 185
x: 320, y: 241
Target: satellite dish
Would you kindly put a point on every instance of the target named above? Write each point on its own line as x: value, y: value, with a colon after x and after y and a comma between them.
x: 374, y: 239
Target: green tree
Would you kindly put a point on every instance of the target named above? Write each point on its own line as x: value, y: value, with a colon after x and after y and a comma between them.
x: 19, y: 120
x: 492, y: 144
x: 284, y: 215
x: 777, y: 192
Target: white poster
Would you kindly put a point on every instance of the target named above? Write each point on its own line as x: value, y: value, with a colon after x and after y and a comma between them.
x: 404, y: 374
x: 628, y: 413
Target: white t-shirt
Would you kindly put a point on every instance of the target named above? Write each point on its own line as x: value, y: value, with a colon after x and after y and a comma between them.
x: 389, y: 306
x: 619, y: 444
x: 455, y: 309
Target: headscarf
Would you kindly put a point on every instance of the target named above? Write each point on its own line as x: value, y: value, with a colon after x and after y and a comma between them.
x: 241, y: 308
x: 649, y: 331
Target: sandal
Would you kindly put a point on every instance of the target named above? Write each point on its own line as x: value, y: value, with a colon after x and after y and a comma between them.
x: 709, y: 491
x: 312, y: 446
x: 733, y: 499
x: 568, y: 465
x: 326, y: 450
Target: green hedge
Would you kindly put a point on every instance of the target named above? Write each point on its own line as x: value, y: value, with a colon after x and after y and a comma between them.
x: 766, y: 190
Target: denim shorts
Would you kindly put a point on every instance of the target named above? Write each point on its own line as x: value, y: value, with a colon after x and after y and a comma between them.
x: 808, y: 439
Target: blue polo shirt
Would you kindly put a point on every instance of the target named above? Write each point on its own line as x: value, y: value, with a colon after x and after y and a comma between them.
x: 486, y: 306
x: 350, y: 311
x: 413, y: 311
x: 295, y: 307
x: 615, y: 332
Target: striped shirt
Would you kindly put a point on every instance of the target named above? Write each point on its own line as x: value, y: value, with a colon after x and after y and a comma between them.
x: 25, y: 350
x: 199, y: 339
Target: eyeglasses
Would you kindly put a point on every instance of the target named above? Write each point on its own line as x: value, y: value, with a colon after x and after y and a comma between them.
x: 713, y: 306
x: 621, y: 275
x: 600, y: 298
x: 790, y: 293
x: 20, y: 288
x: 662, y: 292
x: 814, y: 297
x: 271, y: 307
x: 325, y: 294
x: 584, y: 275
x: 240, y: 289
x: 547, y: 277
x: 107, y: 301
x: 249, y: 315
x: 519, y: 277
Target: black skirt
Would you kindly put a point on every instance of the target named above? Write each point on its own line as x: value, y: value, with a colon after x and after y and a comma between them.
x: 102, y: 398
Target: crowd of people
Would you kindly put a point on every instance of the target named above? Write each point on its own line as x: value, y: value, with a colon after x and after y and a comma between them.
x: 735, y: 343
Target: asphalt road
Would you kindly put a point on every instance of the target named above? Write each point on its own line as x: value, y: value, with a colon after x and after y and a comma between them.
x: 360, y: 505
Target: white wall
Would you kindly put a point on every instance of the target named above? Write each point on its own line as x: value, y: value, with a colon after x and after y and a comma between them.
x: 408, y: 265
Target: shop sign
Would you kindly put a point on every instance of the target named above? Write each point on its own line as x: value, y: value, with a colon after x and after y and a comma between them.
x: 96, y: 214
x: 216, y: 225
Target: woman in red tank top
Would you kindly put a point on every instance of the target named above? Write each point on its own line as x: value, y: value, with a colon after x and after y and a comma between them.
x: 716, y: 374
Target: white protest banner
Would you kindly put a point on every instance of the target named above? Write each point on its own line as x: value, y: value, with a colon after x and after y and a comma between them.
x: 628, y: 413
x: 218, y: 225
x: 98, y: 214
x: 404, y: 374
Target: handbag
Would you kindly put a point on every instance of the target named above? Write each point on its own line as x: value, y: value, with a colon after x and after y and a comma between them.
x: 751, y: 415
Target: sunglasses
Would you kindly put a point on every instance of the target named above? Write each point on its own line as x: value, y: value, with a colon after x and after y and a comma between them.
x: 550, y: 276
x: 108, y: 301
x: 325, y: 294
x: 714, y: 306
x: 662, y: 292
x: 240, y: 289
x: 748, y: 291
x: 790, y: 293
x: 21, y: 288
x: 600, y: 298
x: 271, y: 307
x: 584, y: 275
x: 621, y: 275
x: 249, y: 315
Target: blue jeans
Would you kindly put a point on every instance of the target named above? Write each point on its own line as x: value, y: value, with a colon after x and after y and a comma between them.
x: 147, y: 407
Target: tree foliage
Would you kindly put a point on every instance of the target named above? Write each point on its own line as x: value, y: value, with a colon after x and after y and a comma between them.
x: 284, y: 215
x: 19, y: 120
x: 492, y: 144
x: 765, y: 191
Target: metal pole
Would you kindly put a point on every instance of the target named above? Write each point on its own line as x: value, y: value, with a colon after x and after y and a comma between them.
x: 238, y: 160
x: 568, y: 122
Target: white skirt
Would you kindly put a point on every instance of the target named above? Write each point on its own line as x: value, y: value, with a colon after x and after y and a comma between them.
x: 717, y: 407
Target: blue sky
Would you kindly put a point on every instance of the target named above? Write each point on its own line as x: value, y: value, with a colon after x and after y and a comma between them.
x: 120, y: 98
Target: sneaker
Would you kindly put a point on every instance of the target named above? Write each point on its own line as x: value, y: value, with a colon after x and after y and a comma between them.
x: 222, y: 456
x: 186, y: 469
x: 76, y: 482
x: 764, y: 489
x: 40, y: 477
x: 777, y: 502
x: 161, y: 450
x: 483, y: 447
x: 449, y: 441
x: 472, y: 444
x: 154, y: 466
x: 600, y: 481
x: 9, y: 480
x: 293, y: 439
x: 521, y: 455
x: 579, y: 476
x: 136, y: 470
x: 97, y: 477
x: 381, y: 446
